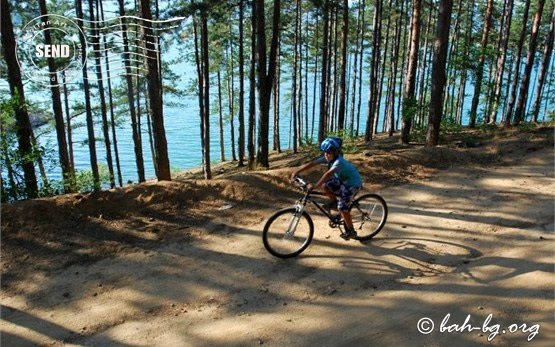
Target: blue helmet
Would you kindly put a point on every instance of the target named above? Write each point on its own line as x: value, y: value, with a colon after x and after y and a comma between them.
x: 331, y: 144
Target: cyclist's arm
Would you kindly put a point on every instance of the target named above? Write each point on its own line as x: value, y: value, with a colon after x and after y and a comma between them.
x: 325, y: 177
x: 304, y: 167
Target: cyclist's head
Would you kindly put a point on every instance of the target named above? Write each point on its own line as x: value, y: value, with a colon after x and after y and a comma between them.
x: 331, y: 145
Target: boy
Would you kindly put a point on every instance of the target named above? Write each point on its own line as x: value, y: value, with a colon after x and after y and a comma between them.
x: 341, y: 182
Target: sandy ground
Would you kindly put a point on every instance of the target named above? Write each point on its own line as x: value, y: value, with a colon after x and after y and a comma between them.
x: 460, y: 244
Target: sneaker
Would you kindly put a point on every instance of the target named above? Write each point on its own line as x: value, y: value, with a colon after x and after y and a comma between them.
x: 348, y: 234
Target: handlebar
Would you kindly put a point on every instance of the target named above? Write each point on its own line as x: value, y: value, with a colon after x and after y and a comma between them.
x: 301, y: 183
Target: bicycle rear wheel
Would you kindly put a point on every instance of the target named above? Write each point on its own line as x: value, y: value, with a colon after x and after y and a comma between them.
x: 369, y: 213
x: 287, y: 233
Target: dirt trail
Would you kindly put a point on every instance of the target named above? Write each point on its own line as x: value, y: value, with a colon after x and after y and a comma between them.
x: 467, y: 241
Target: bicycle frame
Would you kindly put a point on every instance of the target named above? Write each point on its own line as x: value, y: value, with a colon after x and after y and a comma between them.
x: 307, y: 197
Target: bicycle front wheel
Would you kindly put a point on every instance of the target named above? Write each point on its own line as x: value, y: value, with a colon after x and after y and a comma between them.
x: 287, y: 233
x: 369, y: 213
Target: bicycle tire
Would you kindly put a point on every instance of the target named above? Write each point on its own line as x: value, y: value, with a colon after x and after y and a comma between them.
x: 275, y: 237
x: 369, y: 213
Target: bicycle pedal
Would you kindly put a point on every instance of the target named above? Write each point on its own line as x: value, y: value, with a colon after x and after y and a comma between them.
x: 345, y: 236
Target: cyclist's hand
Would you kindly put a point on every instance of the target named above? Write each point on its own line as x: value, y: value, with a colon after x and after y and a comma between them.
x: 292, y: 177
x: 309, y: 187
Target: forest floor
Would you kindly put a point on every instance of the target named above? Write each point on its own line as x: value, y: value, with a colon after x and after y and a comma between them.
x: 181, y: 263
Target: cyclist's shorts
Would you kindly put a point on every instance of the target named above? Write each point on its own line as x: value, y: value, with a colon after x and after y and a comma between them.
x: 344, y: 193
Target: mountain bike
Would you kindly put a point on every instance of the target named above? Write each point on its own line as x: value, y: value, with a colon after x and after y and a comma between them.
x: 289, y: 231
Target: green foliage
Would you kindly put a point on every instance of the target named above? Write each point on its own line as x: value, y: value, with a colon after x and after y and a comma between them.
x: 84, y: 180
x: 527, y: 126
x: 410, y: 108
x: 310, y: 146
x: 11, y: 158
x: 449, y: 126
x: 349, y: 140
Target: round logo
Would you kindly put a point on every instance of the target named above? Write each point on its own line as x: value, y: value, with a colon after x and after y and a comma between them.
x: 64, y: 51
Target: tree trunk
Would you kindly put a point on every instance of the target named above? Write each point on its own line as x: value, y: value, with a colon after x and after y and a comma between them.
x: 137, y: 144
x: 393, y: 74
x: 155, y: 94
x: 200, y: 78
x: 382, y: 73
x: 88, y: 107
x: 68, y: 121
x: 100, y: 11
x: 99, y: 80
x: 438, y: 72
x: 323, y: 119
x: 343, y: 72
x: 252, y: 89
x: 294, y: 78
x: 150, y: 137
x: 266, y: 75
x: 277, y: 138
x: 315, y: 83
x: 548, y: 51
x: 231, y: 99
x: 332, y: 90
x: 355, y: 73
x: 375, y: 64
x: 302, y: 122
x: 404, y: 57
x: 241, y: 87
x: 512, y: 98
x: 23, y: 124
x: 409, y: 101
x: 58, y: 113
x: 523, y: 93
x: 452, y: 70
x: 480, y: 68
x: 501, y: 61
x: 221, y: 117
x: 359, y: 103
x: 423, y: 71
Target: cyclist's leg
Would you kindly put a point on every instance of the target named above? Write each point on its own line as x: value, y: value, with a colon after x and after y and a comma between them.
x: 345, y: 198
x: 332, y: 190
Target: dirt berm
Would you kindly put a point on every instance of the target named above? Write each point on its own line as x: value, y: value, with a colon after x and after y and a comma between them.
x: 466, y: 257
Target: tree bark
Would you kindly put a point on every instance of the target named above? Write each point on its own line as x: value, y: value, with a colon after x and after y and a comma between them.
x: 137, y: 144
x: 221, y: 117
x: 88, y: 107
x: 523, y: 93
x: 266, y: 69
x: 375, y: 64
x: 409, y: 101
x: 155, y: 94
x: 323, y: 119
x: 507, y: 117
x: 294, y: 78
x: 241, y: 139
x: 343, y: 72
x: 23, y: 124
x: 480, y: 68
x: 501, y: 61
x: 547, y: 53
x: 252, y: 90
x: 110, y: 97
x: 231, y: 98
x: 200, y: 78
x: 393, y: 74
x: 438, y: 72
x: 99, y: 80
x: 58, y: 113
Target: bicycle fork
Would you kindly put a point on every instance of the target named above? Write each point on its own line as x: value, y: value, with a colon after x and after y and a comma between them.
x: 299, y: 208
